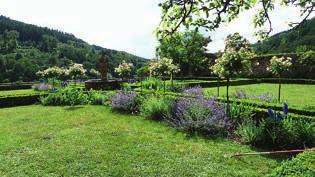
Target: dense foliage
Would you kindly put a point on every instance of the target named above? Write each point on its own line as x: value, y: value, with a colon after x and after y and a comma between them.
x: 303, y: 165
x: 290, y: 41
x: 68, y: 96
x: 279, y: 131
x: 187, y: 49
x: 210, y: 14
x: 26, y: 49
x: 156, y: 108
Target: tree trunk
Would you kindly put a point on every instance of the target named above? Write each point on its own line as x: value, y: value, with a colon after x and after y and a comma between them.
x: 172, y: 83
x: 279, y: 90
x: 227, y: 97
x: 189, y: 70
x: 218, y: 87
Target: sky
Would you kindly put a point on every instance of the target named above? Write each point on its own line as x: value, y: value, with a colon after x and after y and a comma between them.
x: 126, y: 25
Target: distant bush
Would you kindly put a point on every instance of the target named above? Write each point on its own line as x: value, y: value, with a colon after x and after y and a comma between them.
x: 125, y: 101
x: 303, y: 165
x: 41, y: 87
x: 265, y: 97
x: 152, y: 83
x: 68, y: 96
x: 156, y: 108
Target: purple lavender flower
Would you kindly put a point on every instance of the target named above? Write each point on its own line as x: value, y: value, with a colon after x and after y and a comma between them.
x: 202, y: 115
x: 194, y: 91
x: 125, y: 101
x: 267, y: 97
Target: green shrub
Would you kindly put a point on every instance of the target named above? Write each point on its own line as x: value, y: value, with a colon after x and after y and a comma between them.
x: 287, y: 133
x: 156, y: 108
x: 241, y: 113
x: 300, y: 133
x: 249, y: 133
x: 68, y: 96
x: 303, y: 165
x: 99, y: 98
x: 152, y: 83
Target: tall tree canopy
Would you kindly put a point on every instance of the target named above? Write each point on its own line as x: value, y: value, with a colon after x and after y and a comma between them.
x: 187, y: 49
x: 209, y: 14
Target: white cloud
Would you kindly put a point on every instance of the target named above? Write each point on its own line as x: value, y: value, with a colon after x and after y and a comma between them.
x: 126, y: 25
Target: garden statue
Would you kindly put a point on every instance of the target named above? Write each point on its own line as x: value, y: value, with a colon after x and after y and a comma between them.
x: 104, y: 83
x: 103, y: 67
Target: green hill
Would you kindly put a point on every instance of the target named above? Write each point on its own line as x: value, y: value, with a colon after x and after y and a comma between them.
x: 26, y: 48
x: 302, y: 38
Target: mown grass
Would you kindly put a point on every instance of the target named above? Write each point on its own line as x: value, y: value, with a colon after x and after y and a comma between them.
x: 93, y: 141
x: 294, y: 94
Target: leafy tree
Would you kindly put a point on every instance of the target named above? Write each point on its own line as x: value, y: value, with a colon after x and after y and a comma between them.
x: 163, y: 67
x: 187, y: 49
x: 53, y: 73
x: 210, y: 14
x: 124, y: 69
x: 48, y: 43
x: 278, y: 66
x: 9, y: 41
x: 76, y: 70
x: 235, y: 60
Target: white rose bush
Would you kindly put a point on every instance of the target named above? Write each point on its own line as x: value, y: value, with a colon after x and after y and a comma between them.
x: 279, y: 65
x: 75, y: 71
x: 163, y: 67
x: 124, y: 69
x: 235, y: 60
x: 57, y: 73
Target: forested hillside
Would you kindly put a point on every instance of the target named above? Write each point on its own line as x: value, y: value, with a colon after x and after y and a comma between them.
x: 25, y: 49
x: 291, y: 41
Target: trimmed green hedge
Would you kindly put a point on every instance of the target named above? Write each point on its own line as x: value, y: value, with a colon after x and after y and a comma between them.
x: 19, y: 100
x: 237, y: 82
x: 303, y: 165
x: 4, y: 87
x: 275, y: 106
x: 260, y: 108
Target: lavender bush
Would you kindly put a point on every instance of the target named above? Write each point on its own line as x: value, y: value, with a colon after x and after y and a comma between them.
x: 125, y: 101
x: 194, y: 91
x: 199, y: 115
x: 266, y: 97
x: 41, y: 87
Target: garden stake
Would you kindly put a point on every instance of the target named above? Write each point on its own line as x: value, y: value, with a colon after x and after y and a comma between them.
x: 272, y: 152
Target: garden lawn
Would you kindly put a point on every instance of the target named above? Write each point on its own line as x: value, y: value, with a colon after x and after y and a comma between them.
x: 93, y: 141
x: 295, y: 94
